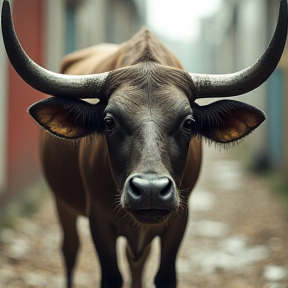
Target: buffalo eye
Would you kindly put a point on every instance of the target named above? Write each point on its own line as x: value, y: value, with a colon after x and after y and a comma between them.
x: 109, y: 123
x: 188, y: 125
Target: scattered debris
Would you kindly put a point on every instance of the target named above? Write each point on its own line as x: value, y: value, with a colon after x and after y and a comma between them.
x: 237, y: 237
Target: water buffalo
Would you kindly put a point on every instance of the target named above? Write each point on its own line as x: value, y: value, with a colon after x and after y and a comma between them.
x: 130, y: 159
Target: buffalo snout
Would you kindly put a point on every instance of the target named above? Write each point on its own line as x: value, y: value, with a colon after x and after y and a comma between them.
x: 150, y: 197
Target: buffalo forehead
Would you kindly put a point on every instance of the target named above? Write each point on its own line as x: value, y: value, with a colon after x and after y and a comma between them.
x: 136, y: 104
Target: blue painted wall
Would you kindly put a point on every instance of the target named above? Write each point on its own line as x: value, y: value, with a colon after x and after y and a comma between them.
x: 275, y: 118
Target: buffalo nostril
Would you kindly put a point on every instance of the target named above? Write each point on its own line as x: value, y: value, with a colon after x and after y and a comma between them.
x: 135, y: 186
x: 166, y: 188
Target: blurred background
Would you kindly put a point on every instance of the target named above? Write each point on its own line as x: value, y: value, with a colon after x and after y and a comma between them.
x: 208, y: 36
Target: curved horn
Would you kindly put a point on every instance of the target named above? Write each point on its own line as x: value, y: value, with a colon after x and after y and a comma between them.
x: 86, y: 86
x: 252, y: 77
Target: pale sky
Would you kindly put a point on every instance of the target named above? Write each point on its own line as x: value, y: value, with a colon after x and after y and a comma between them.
x: 178, y: 19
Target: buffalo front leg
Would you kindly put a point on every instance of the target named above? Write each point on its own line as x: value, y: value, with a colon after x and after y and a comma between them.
x: 136, y: 264
x: 170, y: 242
x: 70, y: 240
x: 104, y: 238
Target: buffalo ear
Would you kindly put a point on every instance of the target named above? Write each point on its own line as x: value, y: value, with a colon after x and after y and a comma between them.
x: 226, y: 121
x: 70, y: 119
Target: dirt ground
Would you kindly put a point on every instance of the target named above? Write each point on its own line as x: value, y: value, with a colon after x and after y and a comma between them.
x: 237, y: 237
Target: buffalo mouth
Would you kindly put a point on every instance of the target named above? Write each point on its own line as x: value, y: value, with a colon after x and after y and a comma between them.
x: 151, y: 216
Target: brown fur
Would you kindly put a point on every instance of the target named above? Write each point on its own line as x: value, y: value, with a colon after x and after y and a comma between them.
x: 145, y: 124
x: 65, y: 164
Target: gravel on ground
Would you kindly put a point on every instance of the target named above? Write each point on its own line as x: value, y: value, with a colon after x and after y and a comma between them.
x: 236, y: 238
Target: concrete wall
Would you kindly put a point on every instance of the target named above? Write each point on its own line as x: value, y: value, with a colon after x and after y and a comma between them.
x: 237, y: 35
